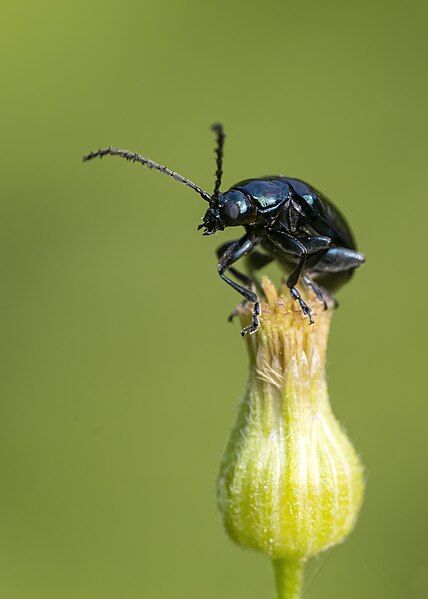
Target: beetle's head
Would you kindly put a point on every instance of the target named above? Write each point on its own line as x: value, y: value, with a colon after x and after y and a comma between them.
x: 230, y: 209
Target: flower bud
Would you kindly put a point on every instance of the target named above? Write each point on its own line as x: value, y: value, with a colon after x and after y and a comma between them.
x: 291, y: 483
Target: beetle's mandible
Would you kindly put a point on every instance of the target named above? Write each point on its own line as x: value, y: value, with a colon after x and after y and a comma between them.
x: 287, y: 219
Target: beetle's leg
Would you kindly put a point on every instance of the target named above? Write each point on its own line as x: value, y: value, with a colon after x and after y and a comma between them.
x: 336, y: 267
x: 304, y: 248
x: 248, y: 281
x: 338, y: 259
x: 232, y: 252
x: 315, y: 288
x: 321, y: 293
x: 289, y: 244
x: 255, y: 261
x: 312, y: 261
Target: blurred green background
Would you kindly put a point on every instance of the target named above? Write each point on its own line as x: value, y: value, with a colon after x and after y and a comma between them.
x: 120, y: 376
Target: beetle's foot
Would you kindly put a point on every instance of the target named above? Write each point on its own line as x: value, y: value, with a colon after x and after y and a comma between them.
x: 252, y: 328
x: 236, y: 311
x: 303, y: 305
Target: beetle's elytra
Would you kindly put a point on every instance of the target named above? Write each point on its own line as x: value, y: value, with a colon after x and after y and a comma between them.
x: 289, y: 220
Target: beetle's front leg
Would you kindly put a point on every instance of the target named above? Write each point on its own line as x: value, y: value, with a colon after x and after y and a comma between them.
x: 230, y: 255
x: 248, y: 281
x: 255, y: 261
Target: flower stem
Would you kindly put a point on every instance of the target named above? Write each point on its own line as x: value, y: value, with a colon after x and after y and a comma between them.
x: 289, y: 577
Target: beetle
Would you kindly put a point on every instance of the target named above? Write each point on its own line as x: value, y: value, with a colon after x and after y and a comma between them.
x: 286, y: 218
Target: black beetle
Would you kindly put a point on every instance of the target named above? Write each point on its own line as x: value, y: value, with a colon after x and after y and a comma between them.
x: 290, y: 220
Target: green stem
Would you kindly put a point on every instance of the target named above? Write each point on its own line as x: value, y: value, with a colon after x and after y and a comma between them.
x: 289, y: 577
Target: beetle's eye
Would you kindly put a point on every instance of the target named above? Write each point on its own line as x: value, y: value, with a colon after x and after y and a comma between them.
x: 232, y: 211
x: 235, y: 208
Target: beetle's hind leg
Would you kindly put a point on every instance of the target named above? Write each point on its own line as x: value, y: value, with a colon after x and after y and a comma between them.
x: 322, y: 294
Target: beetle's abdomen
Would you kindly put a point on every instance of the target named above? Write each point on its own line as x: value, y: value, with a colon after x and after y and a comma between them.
x: 326, y: 218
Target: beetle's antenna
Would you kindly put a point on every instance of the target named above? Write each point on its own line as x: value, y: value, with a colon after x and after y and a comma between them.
x: 220, y: 136
x: 134, y: 157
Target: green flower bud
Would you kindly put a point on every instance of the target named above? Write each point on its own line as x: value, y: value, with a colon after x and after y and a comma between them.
x: 291, y: 483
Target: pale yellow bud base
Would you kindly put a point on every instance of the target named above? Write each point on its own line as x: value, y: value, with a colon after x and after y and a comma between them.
x: 290, y: 484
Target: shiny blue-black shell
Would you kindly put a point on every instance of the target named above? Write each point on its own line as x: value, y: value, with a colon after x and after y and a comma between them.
x: 269, y: 193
